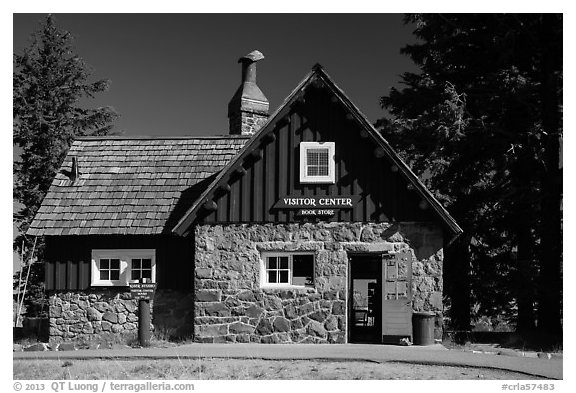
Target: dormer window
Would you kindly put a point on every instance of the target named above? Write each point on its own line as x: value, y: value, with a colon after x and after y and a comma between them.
x: 317, y: 162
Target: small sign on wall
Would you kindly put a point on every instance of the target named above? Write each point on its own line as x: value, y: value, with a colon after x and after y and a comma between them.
x: 142, y: 291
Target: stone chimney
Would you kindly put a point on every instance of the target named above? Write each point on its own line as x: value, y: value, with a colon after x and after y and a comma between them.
x: 248, y: 108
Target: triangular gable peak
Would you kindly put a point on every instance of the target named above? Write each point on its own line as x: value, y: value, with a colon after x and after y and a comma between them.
x: 253, y: 184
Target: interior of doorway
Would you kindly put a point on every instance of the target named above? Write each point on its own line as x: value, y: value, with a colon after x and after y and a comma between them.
x: 365, y: 298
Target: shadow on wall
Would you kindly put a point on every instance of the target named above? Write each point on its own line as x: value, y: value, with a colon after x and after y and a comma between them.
x: 424, y: 240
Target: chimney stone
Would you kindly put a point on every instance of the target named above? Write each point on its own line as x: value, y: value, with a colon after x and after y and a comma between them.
x: 248, y: 108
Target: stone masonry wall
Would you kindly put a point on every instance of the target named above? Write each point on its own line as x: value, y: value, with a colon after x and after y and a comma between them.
x: 110, y: 315
x: 231, y: 306
x: 99, y: 315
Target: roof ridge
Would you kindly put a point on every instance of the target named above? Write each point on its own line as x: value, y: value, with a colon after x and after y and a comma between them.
x: 147, y: 137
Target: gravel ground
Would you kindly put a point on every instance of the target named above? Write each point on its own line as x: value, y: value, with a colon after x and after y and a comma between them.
x: 211, y: 368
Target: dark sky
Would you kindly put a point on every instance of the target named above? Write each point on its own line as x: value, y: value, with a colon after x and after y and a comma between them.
x: 173, y: 74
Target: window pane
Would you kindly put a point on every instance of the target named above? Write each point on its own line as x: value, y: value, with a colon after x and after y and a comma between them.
x: 283, y: 263
x: 284, y: 276
x: 115, y: 264
x: 317, y: 162
x: 303, y: 270
x: 136, y: 263
x: 135, y: 274
x: 146, y: 263
x: 272, y: 263
x: 272, y: 276
x: 146, y: 273
x: 114, y: 274
x: 104, y: 264
x: 104, y: 274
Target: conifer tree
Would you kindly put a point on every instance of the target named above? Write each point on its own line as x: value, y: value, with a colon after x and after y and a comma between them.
x: 49, y: 82
x: 482, y: 121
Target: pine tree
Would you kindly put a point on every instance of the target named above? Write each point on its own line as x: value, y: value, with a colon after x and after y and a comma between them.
x: 482, y: 121
x: 49, y: 81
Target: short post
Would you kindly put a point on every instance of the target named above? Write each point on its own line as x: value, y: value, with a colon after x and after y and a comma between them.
x: 144, y: 320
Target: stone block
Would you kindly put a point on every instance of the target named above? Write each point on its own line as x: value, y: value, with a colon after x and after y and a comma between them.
x: 239, y: 328
x: 336, y: 337
x: 316, y: 329
x: 130, y: 306
x: 343, y: 234
x: 246, y: 296
x: 254, y: 311
x: 121, y: 318
x: 290, y: 311
x: 207, y: 295
x: 339, y: 307
x: 102, y: 306
x: 243, y: 338
x: 319, y: 316
x: 110, y: 317
x: 271, y: 302
x: 306, y: 309
x: 297, y: 324
x: 211, y: 330
x: 281, y: 324
x: 264, y: 327
x: 331, y: 323
x: 106, y: 326
x: 216, y: 309
x: 93, y: 315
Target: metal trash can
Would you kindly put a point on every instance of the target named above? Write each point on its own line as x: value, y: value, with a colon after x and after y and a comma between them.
x: 423, y: 328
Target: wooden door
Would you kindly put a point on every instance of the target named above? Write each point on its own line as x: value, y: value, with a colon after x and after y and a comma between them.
x: 396, y: 297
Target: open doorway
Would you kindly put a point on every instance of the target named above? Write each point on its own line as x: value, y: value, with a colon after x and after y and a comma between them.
x: 365, y: 299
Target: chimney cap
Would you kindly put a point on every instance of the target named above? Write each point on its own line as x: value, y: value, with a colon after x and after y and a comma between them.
x: 251, y: 57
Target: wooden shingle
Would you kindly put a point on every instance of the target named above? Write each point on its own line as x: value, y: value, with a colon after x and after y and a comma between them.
x: 129, y: 185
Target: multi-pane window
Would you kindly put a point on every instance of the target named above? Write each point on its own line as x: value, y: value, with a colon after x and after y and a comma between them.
x: 317, y: 164
x: 278, y: 270
x: 120, y: 267
x: 141, y: 268
x: 109, y: 269
x: 288, y: 270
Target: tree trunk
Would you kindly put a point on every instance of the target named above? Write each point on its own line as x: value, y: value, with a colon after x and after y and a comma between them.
x: 525, y: 294
x: 457, y: 281
x: 550, y: 284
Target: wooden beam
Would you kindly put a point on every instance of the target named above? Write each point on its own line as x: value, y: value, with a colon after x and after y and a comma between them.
x: 224, y: 187
x: 210, y: 205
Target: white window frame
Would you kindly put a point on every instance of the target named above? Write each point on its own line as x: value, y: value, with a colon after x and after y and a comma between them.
x: 328, y: 179
x: 125, y: 256
x: 264, y: 273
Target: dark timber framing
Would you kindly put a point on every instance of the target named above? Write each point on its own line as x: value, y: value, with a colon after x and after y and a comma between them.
x: 269, y: 139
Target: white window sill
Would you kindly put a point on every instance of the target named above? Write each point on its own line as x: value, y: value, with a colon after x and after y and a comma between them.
x: 284, y: 287
x: 109, y: 284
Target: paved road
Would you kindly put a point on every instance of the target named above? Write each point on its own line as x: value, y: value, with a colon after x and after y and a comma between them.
x: 435, y: 354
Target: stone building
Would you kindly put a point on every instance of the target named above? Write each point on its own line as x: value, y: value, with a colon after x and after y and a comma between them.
x: 302, y: 226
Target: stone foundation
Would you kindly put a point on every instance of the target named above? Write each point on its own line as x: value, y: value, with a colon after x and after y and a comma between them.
x: 110, y: 315
x: 231, y: 306
x: 99, y: 315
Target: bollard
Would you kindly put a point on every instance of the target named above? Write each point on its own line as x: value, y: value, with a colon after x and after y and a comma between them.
x: 144, y: 320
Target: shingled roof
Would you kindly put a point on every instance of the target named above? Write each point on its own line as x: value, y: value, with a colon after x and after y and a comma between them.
x: 131, y: 185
